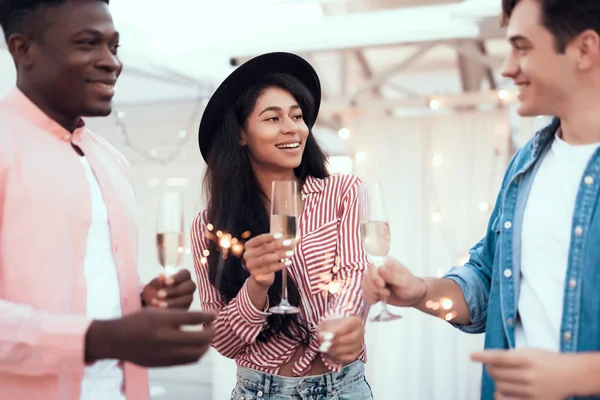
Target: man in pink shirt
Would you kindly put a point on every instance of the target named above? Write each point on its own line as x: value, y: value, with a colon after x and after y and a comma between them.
x: 72, y: 324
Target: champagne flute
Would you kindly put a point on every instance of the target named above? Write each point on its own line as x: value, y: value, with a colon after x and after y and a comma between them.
x: 375, y: 234
x: 284, y: 216
x: 170, y: 241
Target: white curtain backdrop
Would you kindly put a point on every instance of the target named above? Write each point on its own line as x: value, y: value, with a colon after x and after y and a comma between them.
x: 440, y: 175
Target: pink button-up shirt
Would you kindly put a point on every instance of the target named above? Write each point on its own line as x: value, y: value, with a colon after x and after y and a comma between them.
x: 45, y: 215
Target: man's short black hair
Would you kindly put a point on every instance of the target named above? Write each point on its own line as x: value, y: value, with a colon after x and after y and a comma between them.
x: 17, y: 16
x: 565, y: 19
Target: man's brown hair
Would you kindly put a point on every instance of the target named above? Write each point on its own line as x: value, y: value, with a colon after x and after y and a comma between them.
x: 565, y: 19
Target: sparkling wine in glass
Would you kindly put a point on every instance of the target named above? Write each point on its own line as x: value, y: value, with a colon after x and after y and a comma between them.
x: 284, y: 217
x: 170, y: 242
x: 375, y: 234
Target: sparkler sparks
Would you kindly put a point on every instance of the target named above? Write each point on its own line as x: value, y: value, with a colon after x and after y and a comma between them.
x: 334, y: 287
x: 237, y: 249
x: 227, y: 244
x: 328, y: 283
x: 450, y: 316
x: 444, y: 304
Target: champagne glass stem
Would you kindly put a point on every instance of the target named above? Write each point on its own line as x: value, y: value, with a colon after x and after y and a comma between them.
x: 170, y: 270
x: 384, y: 313
x: 384, y: 307
x: 284, y: 278
x: 284, y: 219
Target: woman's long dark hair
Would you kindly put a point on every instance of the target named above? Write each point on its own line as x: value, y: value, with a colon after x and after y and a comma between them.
x: 236, y: 201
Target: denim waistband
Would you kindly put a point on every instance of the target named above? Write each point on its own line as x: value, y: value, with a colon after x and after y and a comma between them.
x: 309, y: 385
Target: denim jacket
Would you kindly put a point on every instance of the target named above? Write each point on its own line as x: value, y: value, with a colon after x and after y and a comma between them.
x: 490, y: 281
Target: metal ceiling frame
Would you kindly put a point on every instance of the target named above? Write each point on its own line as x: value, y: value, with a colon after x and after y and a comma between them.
x: 474, y: 67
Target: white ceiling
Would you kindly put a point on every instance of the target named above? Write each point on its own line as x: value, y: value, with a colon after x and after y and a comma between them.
x: 198, y: 39
x: 178, y: 52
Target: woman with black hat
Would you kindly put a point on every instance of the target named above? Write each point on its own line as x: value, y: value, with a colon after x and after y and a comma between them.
x: 256, y: 129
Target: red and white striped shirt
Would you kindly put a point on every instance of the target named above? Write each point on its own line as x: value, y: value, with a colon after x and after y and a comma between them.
x: 328, y: 268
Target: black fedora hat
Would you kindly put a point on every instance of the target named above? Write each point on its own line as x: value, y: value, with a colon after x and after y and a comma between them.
x: 247, y: 75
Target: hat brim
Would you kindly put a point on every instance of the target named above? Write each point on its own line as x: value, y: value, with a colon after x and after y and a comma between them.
x: 247, y: 75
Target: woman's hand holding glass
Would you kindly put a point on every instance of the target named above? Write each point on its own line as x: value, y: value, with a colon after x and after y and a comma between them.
x: 341, y: 338
x: 264, y: 255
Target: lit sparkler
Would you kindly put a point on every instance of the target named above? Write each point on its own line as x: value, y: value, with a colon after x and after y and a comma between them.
x: 227, y: 244
x: 444, y: 306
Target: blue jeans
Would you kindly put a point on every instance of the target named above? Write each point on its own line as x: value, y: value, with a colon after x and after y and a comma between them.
x: 348, y: 384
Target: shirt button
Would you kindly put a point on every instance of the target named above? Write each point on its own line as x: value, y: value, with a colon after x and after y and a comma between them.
x: 589, y: 180
x: 508, y: 225
x: 567, y: 336
x: 509, y: 321
x: 572, y: 283
x: 578, y: 231
x: 260, y: 393
x: 507, y: 273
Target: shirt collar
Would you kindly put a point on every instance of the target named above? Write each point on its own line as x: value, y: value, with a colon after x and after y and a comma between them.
x: 544, y: 137
x: 17, y: 100
x: 312, y: 185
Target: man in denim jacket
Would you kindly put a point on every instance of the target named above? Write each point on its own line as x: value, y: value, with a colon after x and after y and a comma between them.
x: 532, y: 284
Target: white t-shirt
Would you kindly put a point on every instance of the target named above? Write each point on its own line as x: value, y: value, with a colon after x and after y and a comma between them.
x: 104, y: 379
x: 545, y: 243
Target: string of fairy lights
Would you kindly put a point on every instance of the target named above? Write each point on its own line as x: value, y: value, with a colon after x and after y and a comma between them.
x: 503, y: 98
x: 182, y: 138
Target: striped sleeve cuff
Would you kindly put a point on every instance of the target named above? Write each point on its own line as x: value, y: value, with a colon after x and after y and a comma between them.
x: 246, y: 309
x: 245, y: 320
